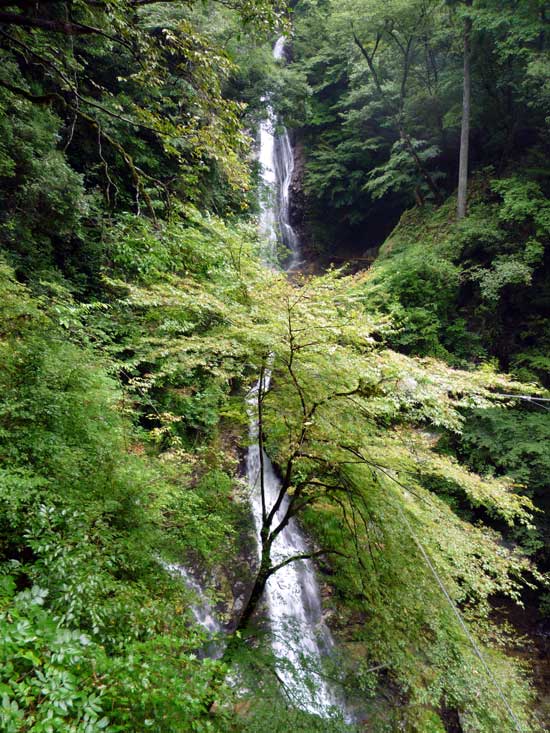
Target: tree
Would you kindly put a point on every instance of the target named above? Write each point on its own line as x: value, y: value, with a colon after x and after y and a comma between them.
x: 353, y: 428
x: 334, y: 394
x: 166, y: 94
x: 360, y: 171
x: 402, y: 29
x: 465, y: 126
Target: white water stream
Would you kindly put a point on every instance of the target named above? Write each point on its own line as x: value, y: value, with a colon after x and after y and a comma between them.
x: 300, y: 638
x: 201, y: 609
x: 202, y: 612
x: 277, y: 162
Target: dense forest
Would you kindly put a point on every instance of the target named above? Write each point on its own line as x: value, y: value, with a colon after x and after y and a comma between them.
x: 391, y: 387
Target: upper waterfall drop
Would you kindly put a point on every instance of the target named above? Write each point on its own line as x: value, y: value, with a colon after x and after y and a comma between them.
x: 279, y: 48
x: 276, y: 158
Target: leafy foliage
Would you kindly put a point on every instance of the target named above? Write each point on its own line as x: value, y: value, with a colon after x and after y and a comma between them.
x: 376, y: 91
x: 357, y: 424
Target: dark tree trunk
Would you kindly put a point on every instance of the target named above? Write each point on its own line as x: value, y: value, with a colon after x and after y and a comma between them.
x: 465, y: 128
x: 253, y: 600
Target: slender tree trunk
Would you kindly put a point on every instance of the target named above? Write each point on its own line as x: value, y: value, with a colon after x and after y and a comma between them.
x: 233, y: 638
x: 465, y: 128
x: 253, y: 600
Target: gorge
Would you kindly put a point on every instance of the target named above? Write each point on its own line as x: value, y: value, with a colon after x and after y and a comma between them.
x: 271, y: 462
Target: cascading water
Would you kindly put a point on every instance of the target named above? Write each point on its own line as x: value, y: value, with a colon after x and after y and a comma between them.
x: 277, y: 161
x: 300, y: 637
x: 201, y: 610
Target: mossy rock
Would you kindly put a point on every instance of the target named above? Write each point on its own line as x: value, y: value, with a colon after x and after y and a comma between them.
x: 423, y: 720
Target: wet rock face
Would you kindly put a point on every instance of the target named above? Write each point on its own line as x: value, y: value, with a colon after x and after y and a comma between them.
x: 297, y: 196
x: 315, y: 256
x: 298, y: 206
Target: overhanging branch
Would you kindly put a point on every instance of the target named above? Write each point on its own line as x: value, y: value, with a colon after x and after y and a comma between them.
x: 305, y: 556
x: 65, y: 27
x: 35, y: 98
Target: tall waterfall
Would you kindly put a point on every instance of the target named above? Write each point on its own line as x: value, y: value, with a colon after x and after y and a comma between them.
x: 300, y: 638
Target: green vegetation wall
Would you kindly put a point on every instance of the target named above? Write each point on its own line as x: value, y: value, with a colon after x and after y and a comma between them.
x: 375, y: 90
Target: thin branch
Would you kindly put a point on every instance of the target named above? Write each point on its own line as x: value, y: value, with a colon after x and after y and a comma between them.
x: 305, y: 556
x: 35, y: 98
x: 277, y: 505
x: 140, y: 189
x: 67, y: 28
x: 110, y: 181
x: 384, y: 470
x: 49, y: 64
x: 289, y: 365
x: 261, y: 441
x: 369, y: 58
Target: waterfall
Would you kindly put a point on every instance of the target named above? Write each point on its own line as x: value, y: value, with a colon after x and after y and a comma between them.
x: 277, y: 164
x: 201, y: 610
x: 300, y: 638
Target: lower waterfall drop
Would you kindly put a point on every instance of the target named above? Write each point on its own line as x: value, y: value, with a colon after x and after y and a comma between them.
x: 300, y: 638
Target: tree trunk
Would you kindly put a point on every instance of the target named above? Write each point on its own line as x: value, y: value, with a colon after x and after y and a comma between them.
x: 253, y: 600
x: 233, y: 638
x: 465, y: 128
